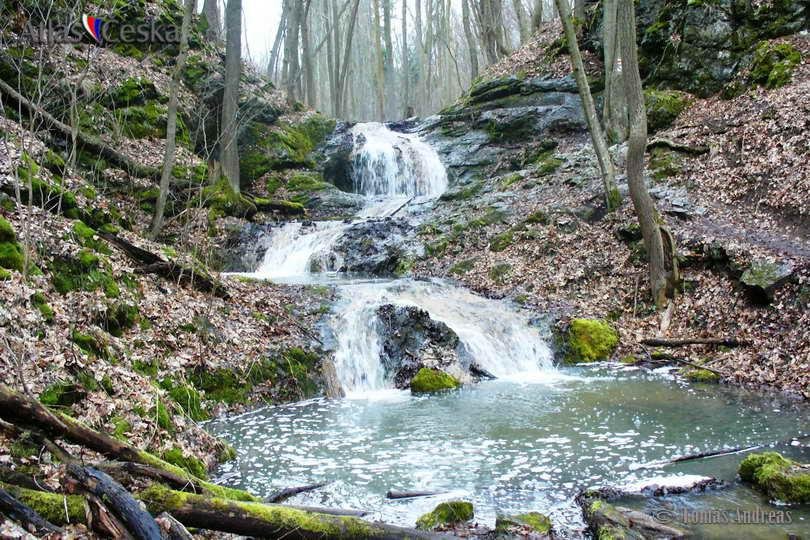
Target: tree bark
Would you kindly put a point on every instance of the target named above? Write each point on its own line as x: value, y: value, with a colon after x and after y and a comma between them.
x: 211, y: 12
x: 309, y: 67
x: 520, y: 14
x: 663, y: 266
x: 266, y: 520
x: 25, y: 515
x: 537, y: 15
x: 472, y: 46
x: 614, y: 110
x: 346, y: 57
x: 272, y: 66
x: 286, y: 493
x: 230, y: 101
x: 379, y: 71
x: 389, y: 56
x: 138, y: 522
x: 406, y: 64
x: 612, y: 198
x: 171, y: 122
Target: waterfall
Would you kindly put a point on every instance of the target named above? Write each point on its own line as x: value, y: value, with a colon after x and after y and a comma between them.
x: 390, y: 170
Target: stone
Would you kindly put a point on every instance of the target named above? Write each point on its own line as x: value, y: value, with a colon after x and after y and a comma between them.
x: 762, y: 278
x: 777, y: 477
x: 429, y: 380
x: 446, y: 513
x: 528, y: 525
x: 590, y: 340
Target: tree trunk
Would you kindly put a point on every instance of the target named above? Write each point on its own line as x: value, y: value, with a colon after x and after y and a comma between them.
x: 272, y: 66
x: 211, y: 12
x: 657, y: 240
x: 25, y: 515
x: 579, y: 10
x: 171, y: 122
x: 346, y: 57
x: 229, y: 154
x: 291, y: 65
x: 379, y: 71
x: 614, y: 111
x: 309, y: 68
x: 520, y: 14
x: 389, y: 57
x: 406, y: 63
x: 537, y: 15
x: 468, y: 35
x: 420, y: 51
x: 612, y: 198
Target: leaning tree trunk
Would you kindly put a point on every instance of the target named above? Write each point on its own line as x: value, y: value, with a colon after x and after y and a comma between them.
x: 230, y: 101
x: 171, y: 122
x: 657, y: 239
x: 612, y: 197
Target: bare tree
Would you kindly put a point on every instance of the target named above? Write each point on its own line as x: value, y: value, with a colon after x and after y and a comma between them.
x: 406, y: 64
x: 229, y: 151
x: 614, y: 108
x: 523, y: 23
x: 468, y: 35
x: 309, y: 68
x: 537, y: 15
x: 171, y: 121
x: 211, y: 12
x: 657, y: 239
x: 379, y: 74
x: 612, y: 197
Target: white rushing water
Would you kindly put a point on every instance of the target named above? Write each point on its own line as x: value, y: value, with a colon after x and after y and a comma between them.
x: 390, y: 170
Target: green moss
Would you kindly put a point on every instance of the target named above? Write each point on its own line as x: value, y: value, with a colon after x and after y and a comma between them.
x: 7, y: 233
x: 148, y: 121
x: 11, y: 256
x: 498, y: 272
x: 132, y: 91
x: 187, y: 398
x: 590, y: 340
x: 221, y: 385
x: 700, y: 375
x: 228, y: 453
x: 195, y: 71
x: 90, y: 345
x: 87, y: 237
x: 664, y: 106
x: 86, y: 272
x: 502, y: 241
x: 191, y: 464
x: 546, y: 164
x: 438, y: 248
x: 121, y: 426
x: 222, y: 200
x: 778, y: 477
x: 61, y: 394
x: 5, y: 275
x: 146, y: 368
x: 118, y: 318
x: 161, y: 414
x: 307, y: 181
x: 55, y: 508
x: 462, y: 267
x: 446, y: 513
x: 465, y: 193
x: 432, y: 380
x: 509, y: 180
x: 537, y: 522
x: 24, y: 446
x: 665, y: 163
x: 774, y: 63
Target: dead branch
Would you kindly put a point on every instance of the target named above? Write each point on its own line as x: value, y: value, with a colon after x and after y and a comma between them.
x: 286, y: 493
x: 720, y: 342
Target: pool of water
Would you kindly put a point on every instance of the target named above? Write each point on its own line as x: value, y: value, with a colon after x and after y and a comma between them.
x: 510, y: 445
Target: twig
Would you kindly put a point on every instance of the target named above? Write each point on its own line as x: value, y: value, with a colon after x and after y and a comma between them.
x: 722, y: 342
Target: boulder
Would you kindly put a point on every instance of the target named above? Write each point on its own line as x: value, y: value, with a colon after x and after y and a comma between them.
x: 762, y: 278
x: 381, y: 247
x: 777, y: 477
x: 446, y: 514
x: 412, y: 341
x: 429, y: 380
x: 590, y: 340
x: 606, y: 520
x: 531, y: 525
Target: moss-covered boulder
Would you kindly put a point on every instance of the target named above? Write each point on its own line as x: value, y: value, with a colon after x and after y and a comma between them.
x: 762, y: 278
x: 11, y: 255
x: 118, y: 318
x: 774, y: 63
x: 446, y: 513
x: 130, y: 92
x: 432, y: 380
x: 590, y: 340
x: 700, y: 375
x: 777, y: 477
x: 39, y: 301
x: 87, y: 272
x: 664, y: 106
x: 523, y: 524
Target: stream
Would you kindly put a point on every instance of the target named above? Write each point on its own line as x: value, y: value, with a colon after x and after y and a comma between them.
x: 526, y: 441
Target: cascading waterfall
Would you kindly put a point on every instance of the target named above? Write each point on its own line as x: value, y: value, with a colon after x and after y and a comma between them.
x: 391, y: 169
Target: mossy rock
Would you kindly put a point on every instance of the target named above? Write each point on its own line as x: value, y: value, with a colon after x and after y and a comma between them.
x: 777, y: 477
x: 191, y: 464
x: 85, y: 272
x: 502, y: 241
x: 665, y: 163
x: 223, y: 200
x: 463, y: 193
x: 590, y: 340
x: 90, y: 345
x: 664, y: 106
x: 499, y: 272
x: 533, y: 522
x: 446, y: 513
x: 221, y: 385
x: 87, y: 237
x: 699, y: 375
x: 7, y: 233
x: 462, y: 267
x: 149, y: 121
x: 130, y: 92
x: 46, y: 195
x: 433, y: 380
x: 774, y: 64
x: 5, y: 275
x: 61, y: 394
x: 11, y: 256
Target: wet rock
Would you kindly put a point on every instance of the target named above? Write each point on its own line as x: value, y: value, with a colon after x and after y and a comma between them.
x: 531, y: 525
x: 411, y: 340
x: 380, y: 248
x: 699, y: 375
x: 777, y: 477
x: 590, y: 340
x: 606, y: 520
x: 763, y: 278
x: 659, y: 486
x: 676, y: 201
x: 244, y: 248
x: 334, y: 203
x: 432, y: 380
x: 446, y: 514
x: 335, y: 156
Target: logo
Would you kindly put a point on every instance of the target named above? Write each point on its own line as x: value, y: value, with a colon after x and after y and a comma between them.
x: 93, y: 26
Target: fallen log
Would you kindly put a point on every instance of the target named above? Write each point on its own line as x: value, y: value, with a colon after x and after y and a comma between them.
x: 124, y: 472
x: 56, y: 508
x: 394, y: 494
x: 153, y: 264
x: 286, y: 493
x: 87, y: 142
x: 25, y: 515
x: 138, y: 522
x: 172, y: 529
x: 329, y: 511
x: 27, y: 412
x: 267, y: 520
x: 721, y: 342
